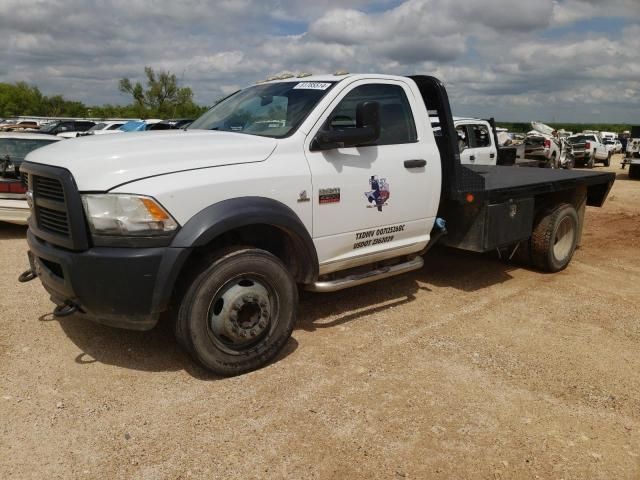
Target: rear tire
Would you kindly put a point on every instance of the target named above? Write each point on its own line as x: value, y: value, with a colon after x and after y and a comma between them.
x: 634, y: 172
x: 570, y: 164
x: 607, y: 162
x: 554, y: 238
x: 591, y: 162
x: 238, y: 313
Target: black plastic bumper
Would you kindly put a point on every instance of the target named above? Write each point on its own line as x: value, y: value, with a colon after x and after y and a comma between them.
x: 120, y: 287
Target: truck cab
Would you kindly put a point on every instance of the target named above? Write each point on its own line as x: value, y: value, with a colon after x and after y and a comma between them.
x: 317, y: 183
x: 632, y: 153
x: 476, y: 141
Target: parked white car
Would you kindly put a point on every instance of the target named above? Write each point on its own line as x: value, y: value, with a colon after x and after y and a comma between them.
x: 613, y: 146
x: 13, y: 148
x: 608, y: 136
x: 103, y: 128
x: 617, y: 146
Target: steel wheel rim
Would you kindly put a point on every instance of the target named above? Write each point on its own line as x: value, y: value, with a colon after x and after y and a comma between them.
x: 563, y: 239
x: 241, y: 314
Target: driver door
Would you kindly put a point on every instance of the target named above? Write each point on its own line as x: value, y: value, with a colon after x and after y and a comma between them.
x: 372, y: 202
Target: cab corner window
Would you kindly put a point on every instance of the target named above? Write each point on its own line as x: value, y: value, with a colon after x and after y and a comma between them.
x: 396, y: 121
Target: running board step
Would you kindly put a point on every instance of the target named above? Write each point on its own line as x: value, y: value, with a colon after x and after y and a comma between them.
x: 362, y: 278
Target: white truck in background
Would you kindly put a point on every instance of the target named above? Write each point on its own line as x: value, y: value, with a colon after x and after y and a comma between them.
x: 476, y: 141
x: 632, y: 153
x: 587, y: 149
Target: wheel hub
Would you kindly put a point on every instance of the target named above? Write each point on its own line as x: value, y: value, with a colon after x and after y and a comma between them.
x: 241, y: 313
x: 563, y: 239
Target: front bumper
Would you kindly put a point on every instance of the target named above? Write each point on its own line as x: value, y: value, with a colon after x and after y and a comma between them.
x: 121, y: 287
x: 14, y: 211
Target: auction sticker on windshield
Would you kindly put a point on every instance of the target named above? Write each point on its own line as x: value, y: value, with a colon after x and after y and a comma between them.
x: 312, y: 86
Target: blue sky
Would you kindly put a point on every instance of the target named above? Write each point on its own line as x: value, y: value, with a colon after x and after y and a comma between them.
x: 519, y: 60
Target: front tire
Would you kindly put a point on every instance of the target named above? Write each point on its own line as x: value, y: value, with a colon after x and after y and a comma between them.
x: 239, y: 312
x: 554, y: 238
x: 634, y: 172
x: 607, y: 161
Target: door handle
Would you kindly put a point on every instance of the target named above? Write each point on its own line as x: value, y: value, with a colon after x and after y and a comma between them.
x: 417, y: 163
x: 472, y: 158
x: 493, y: 155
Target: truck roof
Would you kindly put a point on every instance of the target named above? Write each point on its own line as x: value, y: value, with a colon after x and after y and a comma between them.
x: 467, y: 119
x: 332, y: 77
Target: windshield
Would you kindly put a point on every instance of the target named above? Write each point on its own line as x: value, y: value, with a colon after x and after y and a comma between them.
x: 97, y: 126
x: 271, y: 110
x: 133, y: 126
x: 49, y: 127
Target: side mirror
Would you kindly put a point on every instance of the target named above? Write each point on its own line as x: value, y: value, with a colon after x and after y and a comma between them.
x: 367, y: 130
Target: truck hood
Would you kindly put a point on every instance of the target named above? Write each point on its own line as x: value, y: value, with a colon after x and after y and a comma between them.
x: 102, y: 162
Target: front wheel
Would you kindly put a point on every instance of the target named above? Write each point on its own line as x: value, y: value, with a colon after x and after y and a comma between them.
x: 554, y: 238
x: 607, y: 161
x: 634, y: 172
x: 238, y: 314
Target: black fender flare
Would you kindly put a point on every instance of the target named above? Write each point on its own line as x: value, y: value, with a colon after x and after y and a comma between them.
x: 222, y: 217
x: 230, y: 214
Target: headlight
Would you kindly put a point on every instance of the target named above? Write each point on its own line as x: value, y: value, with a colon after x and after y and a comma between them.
x: 127, y: 215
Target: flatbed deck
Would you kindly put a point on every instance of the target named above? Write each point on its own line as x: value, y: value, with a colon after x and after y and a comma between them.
x: 501, y: 182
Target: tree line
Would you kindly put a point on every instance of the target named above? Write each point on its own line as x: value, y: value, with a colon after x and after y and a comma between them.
x: 161, y: 97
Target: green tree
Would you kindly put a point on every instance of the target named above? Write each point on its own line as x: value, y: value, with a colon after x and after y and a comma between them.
x: 163, y: 96
x: 20, y: 99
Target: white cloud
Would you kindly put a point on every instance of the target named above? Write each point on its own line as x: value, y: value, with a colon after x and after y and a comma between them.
x: 517, y: 59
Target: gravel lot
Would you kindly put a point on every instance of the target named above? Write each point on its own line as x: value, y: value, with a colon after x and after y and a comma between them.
x: 468, y: 368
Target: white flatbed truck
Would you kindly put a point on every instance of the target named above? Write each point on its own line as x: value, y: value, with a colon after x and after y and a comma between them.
x: 319, y: 183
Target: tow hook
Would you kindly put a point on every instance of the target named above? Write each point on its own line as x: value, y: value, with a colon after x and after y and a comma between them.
x: 27, y: 276
x: 64, y: 310
x: 30, y: 274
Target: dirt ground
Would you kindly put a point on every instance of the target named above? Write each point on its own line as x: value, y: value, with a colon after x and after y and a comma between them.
x: 468, y: 368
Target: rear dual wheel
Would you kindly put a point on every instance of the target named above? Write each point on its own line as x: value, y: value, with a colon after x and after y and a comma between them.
x: 239, y: 312
x: 553, y: 240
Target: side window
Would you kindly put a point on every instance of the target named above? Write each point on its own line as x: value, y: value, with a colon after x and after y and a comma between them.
x: 396, y: 120
x: 481, y: 135
x: 463, y: 138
